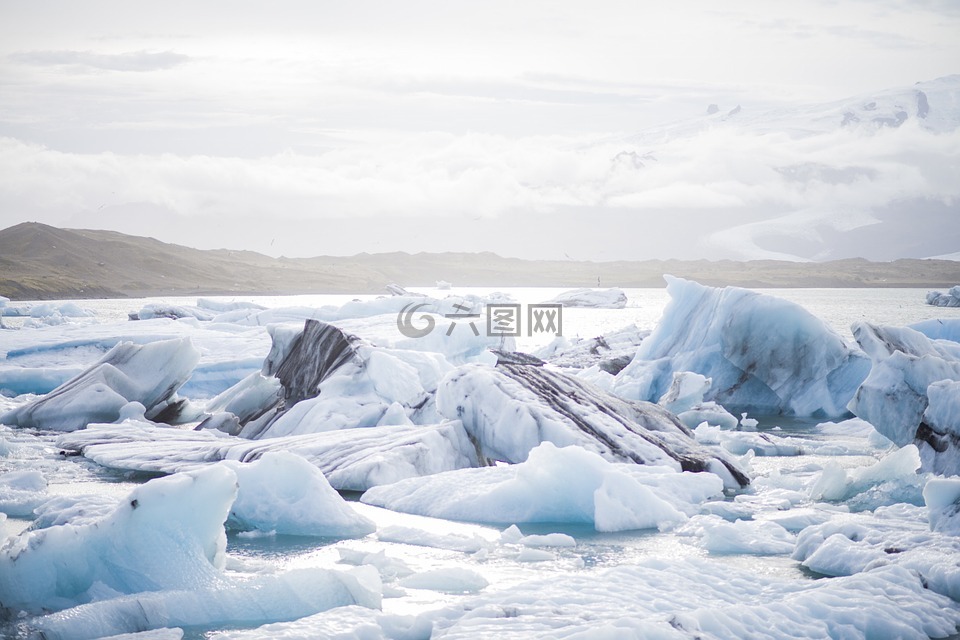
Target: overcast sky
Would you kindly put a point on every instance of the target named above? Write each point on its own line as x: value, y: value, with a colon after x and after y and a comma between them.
x: 307, y: 128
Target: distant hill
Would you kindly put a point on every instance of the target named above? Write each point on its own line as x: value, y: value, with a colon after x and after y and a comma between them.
x: 38, y: 261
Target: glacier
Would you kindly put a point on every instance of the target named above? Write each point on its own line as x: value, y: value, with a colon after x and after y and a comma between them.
x: 763, y: 354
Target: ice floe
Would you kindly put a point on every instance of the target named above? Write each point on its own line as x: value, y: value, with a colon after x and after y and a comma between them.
x: 592, y: 298
x: 940, y: 299
x: 511, y: 408
x: 763, y: 354
x: 351, y: 459
x: 911, y: 394
x: 147, y: 374
x: 554, y: 484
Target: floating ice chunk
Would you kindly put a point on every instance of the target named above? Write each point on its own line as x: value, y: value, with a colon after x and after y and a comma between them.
x: 511, y: 535
x: 351, y: 459
x: 154, y: 310
x: 149, y: 374
x: 548, y: 540
x: 284, y: 493
x: 341, y: 623
x: 281, y: 597
x: 66, y: 309
x: 511, y: 408
x: 446, y: 580
x: 898, y: 468
x: 609, y: 353
x: 897, y: 535
x: 223, y: 305
x: 709, y: 412
x: 422, y: 538
x: 742, y: 536
x: 593, y: 298
x: 949, y: 299
x: 702, y: 598
x: 939, y: 328
x: 388, y: 568
x: 167, y: 534
x: 894, y: 397
x: 534, y: 555
x: 332, y: 380
x: 942, y: 497
x: 685, y: 392
x: 763, y: 354
x: 612, y: 497
x: 21, y: 492
x: 165, y: 633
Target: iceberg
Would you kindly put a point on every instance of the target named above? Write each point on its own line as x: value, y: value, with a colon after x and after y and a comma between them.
x: 157, y: 560
x: 939, y: 328
x: 566, y: 484
x: 351, y: 459
x: 511, y: 408
x: 949, y: 299
x: 322, y: 378
x: 592, y: 298
x: 147, y: 374
x: 911, y: 394
x: 610, y: 352
x: 283, y: 493
x: 763, y: 354
x: 167, y: 534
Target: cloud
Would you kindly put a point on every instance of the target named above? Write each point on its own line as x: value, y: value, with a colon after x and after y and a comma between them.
x: 138, y: 61
x: 753, y: 185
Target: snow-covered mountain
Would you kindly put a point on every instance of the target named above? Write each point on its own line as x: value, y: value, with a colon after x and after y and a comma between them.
x: 874, y: 176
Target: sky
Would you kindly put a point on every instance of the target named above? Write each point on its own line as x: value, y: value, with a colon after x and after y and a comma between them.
x: 531, y: 129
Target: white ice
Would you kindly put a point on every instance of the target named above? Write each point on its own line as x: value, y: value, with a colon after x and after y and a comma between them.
x: 592, y: 298
x: 283, y: 493
x: 609, y: 496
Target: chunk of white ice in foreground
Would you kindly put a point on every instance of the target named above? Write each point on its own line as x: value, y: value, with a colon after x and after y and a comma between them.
x: 566, y: 484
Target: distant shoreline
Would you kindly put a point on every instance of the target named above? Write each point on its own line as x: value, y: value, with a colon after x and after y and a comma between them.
x: 39, y: 262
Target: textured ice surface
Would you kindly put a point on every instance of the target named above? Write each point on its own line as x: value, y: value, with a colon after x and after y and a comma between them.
x: 942, y: 497
x: 901, y: 399
x: 763, y: 354
x: 283, y: 493
x: 940, y: 299
x: 149, y: 374
x: 555, y: 485
x: 718, y: 536
x: 698, y: 598
x: 895, y: 535
x: 511, y: 408
x: 21, y: 492
x: 351, y: 459
x: 593, y: 298
x: 609, y: 352
x: 939, y: 329
x: 167, y: 534
x: 280, y: 597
